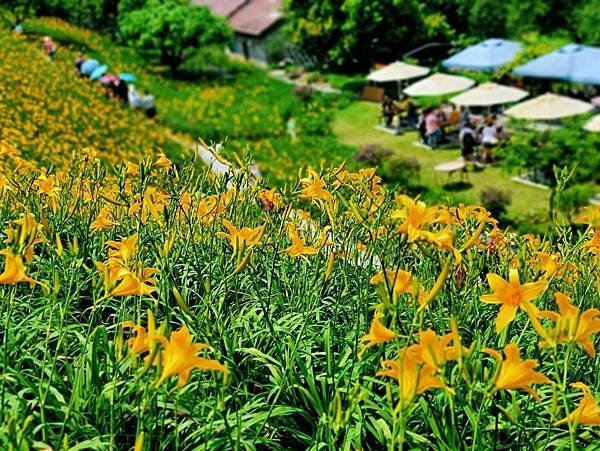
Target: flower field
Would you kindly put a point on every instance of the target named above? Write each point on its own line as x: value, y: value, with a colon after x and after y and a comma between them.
x: 152, y: 306
x: 46, y: 110
x: 233, y: 101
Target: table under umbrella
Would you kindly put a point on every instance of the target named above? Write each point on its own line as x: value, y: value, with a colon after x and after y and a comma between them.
x: 548, y: 107
x: 439, y: 85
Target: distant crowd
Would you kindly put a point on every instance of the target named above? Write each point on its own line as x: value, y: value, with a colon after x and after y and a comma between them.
x: 477, y: 137
x: 114, y: 85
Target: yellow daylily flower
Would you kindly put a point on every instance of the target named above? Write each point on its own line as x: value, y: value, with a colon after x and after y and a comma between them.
x: 162, y: 161
x: 516, y: 374
x: 179, y: 357
x: 378, y: 334
x: 571, y: 325
x: 512, y: 295
x: 298, y: 248
x: 243, y: 238
x: 587, y: 412
x: 14, y: 270
x: 399, y: 281
x: 416, y: 215
x: 103, y: 220
x: 314, y: 188
x: 413, y: 378
x: 131, y: 285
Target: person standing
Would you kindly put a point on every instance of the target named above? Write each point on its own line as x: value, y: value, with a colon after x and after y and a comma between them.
x: 468, y: 141
x: 49, y: 47
x: 433, y: 130
x: 489, y: 139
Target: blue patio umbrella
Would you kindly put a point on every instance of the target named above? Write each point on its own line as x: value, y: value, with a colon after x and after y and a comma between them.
x: 99, y: 71
x: 487, y: 55
x: 573, y: 62
x: 89, y: 66
x: 128, y: 77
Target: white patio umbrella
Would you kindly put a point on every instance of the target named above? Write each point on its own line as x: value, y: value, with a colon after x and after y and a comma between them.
x: 547, y: 107
x: 438, y: 85
x: 397, y: 71
x: 488, y: 94
x: 593, y: 125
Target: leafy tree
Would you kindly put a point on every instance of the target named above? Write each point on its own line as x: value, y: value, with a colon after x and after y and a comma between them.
x: 13, y: 12
x: 588, y: 22
x: 524, y: 16
x: 353, y: 33
x: 487, y: 18
x: 173, y: 30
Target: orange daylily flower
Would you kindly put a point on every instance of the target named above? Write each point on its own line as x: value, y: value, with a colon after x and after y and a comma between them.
x: 512, y: 295
x: 416, y: 215
x: 587, y: 412
x: 143, y: 340
x: 102, y: 221
x: 434, y: 351
x: 399, y: 281
x: 571, y: 325
x: 516, y: 374
x: 14, y: 270
x: 313, y: 188
x: 412, y: 377
x: 179, y: 357
x: 162, y: 161
x: 243, y: 238
x: 123, y: 250
x: 298, y: 248
x: 378, y: 334
x: 131, y: 285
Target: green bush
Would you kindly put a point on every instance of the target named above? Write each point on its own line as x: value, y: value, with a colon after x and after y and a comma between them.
x: 400, y: 170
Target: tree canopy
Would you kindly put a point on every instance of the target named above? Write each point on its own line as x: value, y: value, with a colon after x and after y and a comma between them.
x: 173, y: 30
x: 352, y: 34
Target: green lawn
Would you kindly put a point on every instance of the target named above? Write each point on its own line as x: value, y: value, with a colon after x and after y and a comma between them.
x: 355, y: 125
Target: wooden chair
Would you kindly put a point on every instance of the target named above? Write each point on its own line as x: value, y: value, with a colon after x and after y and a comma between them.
x: 372, y: 93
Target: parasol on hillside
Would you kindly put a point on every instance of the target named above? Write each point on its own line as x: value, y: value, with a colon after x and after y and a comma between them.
x: 593, y: 125
x: 98, y: 72
x: 397, y: 71
x: 549, y: 106
x: 488, y: 94
x: 439, y: 85
x: 128, y: 77
x: 89, y: 66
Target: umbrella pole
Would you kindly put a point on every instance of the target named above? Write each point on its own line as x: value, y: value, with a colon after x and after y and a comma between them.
x: 399, y: 85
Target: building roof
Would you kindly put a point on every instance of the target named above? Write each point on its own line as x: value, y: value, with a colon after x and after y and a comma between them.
x: 223, y: 8
x: 252, y: 17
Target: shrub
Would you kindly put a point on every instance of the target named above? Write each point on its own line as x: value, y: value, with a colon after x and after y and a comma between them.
x: 400, y: 170
x: 372, y: 154
x: 495, y: 200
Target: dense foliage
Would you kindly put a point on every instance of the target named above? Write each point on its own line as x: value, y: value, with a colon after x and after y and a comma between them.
x: 355, y: 34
